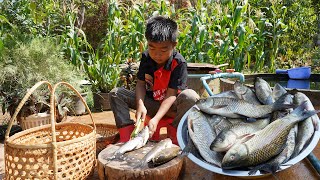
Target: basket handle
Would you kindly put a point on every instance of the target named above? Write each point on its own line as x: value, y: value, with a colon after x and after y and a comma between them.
x: 53, y: 122
x: 24, y: 100
x: 52, y: 105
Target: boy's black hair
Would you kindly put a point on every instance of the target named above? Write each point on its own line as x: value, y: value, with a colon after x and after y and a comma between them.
x: 161, y: 29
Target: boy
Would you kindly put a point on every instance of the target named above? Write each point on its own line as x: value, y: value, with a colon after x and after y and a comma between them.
x: 161, y: 88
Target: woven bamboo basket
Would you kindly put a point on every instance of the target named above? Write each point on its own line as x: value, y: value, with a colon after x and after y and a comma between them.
x: 54, y: 151
x: 35, y: 120
x: 106, y: 134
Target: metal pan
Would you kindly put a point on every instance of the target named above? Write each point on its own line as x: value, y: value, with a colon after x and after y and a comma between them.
x: 183, y: 138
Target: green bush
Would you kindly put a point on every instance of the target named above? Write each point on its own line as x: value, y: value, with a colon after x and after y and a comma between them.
x: 30, y: 62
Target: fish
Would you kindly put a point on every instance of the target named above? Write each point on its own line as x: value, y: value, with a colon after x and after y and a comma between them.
x: 281, y: 113
x: 139, y: 141
x: 237, y: 108
x: 273, y: 165
x: 305, y: 128
x: 263, y: 91
x: 165, y: 155
x: 190, y: 148
x: 160, y: 146
x: 202, y: 136
x: 228, y: 137
x: 218, y: 123
x: 278, y: 91
x: 259, y: 147
x: 229, y: 94
x: 244, y: 92
x: 236, y: 120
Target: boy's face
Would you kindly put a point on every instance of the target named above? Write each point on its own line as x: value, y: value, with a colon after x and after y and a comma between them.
x: 160, y: 52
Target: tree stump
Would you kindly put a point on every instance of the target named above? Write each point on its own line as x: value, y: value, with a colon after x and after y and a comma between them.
x: 125, y: 169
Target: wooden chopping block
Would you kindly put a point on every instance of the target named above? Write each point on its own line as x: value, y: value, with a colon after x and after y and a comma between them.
x: 118, y: 169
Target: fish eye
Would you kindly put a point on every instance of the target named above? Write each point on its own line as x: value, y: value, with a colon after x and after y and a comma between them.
x: 232, y: 157
x: 220, y: 140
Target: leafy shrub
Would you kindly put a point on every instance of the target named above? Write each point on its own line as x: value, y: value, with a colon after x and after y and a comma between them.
x: 30, y: 62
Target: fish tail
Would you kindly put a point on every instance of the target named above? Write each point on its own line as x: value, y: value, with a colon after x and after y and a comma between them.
x: 300, y: 111
x: 281, y: 103
x: 268, y: 167
x: 186, y: 151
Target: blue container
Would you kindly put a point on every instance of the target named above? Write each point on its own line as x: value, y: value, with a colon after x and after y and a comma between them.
x: 296, y: 73
x: 298, y: 84
x: 299, y: 72
x: 281, y: 71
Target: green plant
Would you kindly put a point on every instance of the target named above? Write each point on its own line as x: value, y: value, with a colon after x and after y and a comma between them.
x: 103, y: 73
x: 31, y: 62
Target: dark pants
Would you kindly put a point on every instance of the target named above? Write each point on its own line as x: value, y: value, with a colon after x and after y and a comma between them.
x: 121, y: 100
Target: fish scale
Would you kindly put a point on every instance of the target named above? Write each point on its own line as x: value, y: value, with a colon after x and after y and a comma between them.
x: 265, y: 143
x: 307, y: 127
x: 262, y: 153
x: 236, y: 108
x: 229, y: 136
x: 241, y: 106
x: 202, y: 136
x: 273, y: 164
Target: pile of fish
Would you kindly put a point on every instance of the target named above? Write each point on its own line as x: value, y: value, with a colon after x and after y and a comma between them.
x: 161, y: 153
x: 255, y: 128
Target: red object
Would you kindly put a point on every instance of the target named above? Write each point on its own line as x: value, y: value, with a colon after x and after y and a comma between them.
x: 164, y: 122
x: 161, y: 81
x: 125, y: 133
x: 230, y: 70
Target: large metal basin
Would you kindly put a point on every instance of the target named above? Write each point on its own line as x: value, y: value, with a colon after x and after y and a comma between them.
x: 183, y: 138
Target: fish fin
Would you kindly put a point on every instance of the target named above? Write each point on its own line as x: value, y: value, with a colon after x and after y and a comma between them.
x: 269, y: 100
x: 300, y: 110
x: 251, y: 119
x: 280, y: 103
x: 315, y: 122
x: 246, y: 138
x: 219, y: 106
x: 267, y: 167
x: 189, y: 148
x: 242, y: 115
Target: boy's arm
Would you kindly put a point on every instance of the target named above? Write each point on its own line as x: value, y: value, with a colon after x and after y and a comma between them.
x: 164, y: 107
x: 141, y: 111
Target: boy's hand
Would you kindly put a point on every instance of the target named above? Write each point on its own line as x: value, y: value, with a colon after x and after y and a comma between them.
x: 141, y: 112
x: 153, y: 123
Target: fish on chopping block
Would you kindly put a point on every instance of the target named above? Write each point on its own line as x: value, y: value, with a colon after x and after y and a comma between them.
x: 165, y: 155
x: 137, y: 142
x: 160, y: 146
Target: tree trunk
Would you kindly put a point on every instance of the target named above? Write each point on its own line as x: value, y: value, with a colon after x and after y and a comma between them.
x: 117, y: 169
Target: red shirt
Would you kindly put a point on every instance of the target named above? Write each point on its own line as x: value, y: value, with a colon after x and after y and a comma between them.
x: 172, y: 75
